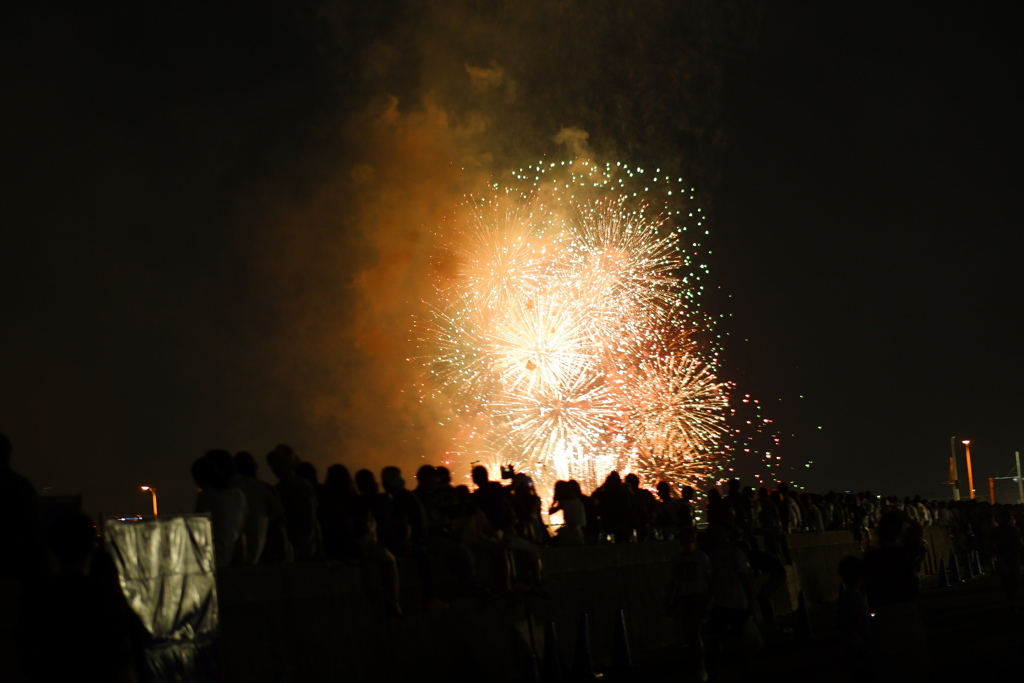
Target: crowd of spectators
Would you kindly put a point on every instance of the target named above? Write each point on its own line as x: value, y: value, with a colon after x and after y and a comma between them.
x: 486, y: 540
x: 734, y: 554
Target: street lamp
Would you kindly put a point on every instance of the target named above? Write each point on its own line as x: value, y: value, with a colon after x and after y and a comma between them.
x: 970, y: 473
x: 152, y: 492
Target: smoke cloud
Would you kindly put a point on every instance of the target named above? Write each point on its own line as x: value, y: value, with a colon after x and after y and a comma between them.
x: 226, y: 214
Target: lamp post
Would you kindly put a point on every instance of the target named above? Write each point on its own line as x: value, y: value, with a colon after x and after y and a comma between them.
x: 954, y: 476
x: 970, y: 473
x: 1020, y: 482
x: 152, y: 492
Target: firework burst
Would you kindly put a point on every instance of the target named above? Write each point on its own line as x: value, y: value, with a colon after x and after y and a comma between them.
x: 560, y: 342
x: 675, y: 413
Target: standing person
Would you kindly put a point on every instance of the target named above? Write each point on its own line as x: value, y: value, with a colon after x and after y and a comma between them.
x: 342, y: 509
x: 813, y: 519
x: 276, y: 548
x: 771, y: 522
x: 526, y: 508
x: 1007, y: 544
x: 893, y: 585
x: 592, y: 525
x: 769, y: 575
x: 855, y: 617
x: 789, y: 511
x: 350, y: 530
x: 299, y: 502
x: 719, y: 511
x: 492, y: 499
x: 574, y: 517
x: 22, y: 555
x: 307, y: 470
x: 750, y: 493
x: 686, y: 508
x: 732, y: 595
x: 77, y: 625
x: 495, y: 501
x: 255, y: 491
x: 227, y: 507
x: 646, y: 511
x: 671, y: 514
x: 614, y: 506
x: 741, y: 507
x: 688, y: 595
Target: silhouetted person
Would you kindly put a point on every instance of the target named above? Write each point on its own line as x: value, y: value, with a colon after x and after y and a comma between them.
x: 574, y: 517
x: 75, y: 626
x: 855, y: 617
x: 441, y: 542
x: 689, y: 594
x: 256, y: 494
x: 811, y: 513
x: 22, y: 557
x: 892, y: 583
x: 393, y: 530
x: 526, y: 508
x: 1007, y: 546
x: 350, y: 531
x: 405, y: 519
x: 227, y: 506
x: 496, y: 502
x: 686, y: 508
x: 447, y: 501
x: 592, y: 526
x: 225, y: 466
x: 444, y: 477
x: 341, y: 511
x: 645, y: 509
x: 789, y: 510
x: 492, y: 499
x: 276, y: 547
x: 426, y: 491
x: 408, y: 506
x: 671, y: 511
x: 771, y: 522
x: 613, y: 506
x: 299, y: 502
x: 732, y: 594
x: 741, y: 506
x: 719, y: 511
x: 769, y: 575
x: 307, y: 470
x: 754, y: 505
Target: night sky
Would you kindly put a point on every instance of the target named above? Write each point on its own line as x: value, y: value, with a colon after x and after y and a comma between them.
x: 870, y: 187
x: 220, y: 215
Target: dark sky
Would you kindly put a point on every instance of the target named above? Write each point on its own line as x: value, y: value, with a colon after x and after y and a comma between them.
x: 868, y: 227
x: 219, y: 218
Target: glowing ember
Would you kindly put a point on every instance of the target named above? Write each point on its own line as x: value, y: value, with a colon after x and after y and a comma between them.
x: 561, y: 341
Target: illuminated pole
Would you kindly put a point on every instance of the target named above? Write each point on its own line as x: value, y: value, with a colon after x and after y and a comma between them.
x: 954, y: 476
x: 152, y: 492
x: 1020, y: 484
x: 970, y: 473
